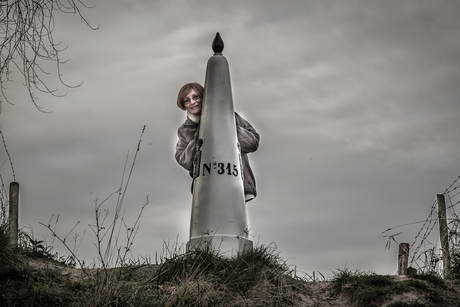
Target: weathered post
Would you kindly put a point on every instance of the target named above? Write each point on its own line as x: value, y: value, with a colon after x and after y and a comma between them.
x: 219, y: 218
x: 443, y: 234
x: 403, y: 258
x: 14, y: 212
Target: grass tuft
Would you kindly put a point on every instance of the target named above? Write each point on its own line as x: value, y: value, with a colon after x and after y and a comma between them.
x: 369, y: 289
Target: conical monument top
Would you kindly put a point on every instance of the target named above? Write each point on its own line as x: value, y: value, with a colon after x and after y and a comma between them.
x: 217, y: 44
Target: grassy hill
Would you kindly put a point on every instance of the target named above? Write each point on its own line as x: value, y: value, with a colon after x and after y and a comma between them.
x: 201, y: 278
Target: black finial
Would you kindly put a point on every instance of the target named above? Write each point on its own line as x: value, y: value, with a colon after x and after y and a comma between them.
x: 217, y: 44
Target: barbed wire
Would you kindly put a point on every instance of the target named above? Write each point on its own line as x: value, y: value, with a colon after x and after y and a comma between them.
x: 4, y: 202
x: 448, y: 191
x: 428, y: 226
x: 8, y: 154
x: 426, y: 255
x: 426, y: 252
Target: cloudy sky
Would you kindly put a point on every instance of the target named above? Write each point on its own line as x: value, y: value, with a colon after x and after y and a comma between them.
x: 357, y: 104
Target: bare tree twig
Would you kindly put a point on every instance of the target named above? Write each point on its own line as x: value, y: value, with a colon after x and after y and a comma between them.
x: 26, y: 29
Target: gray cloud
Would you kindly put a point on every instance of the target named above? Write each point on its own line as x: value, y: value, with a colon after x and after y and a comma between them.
x: 356, y: 103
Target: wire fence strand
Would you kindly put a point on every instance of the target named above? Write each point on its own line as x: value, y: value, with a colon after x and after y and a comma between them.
x: 426, y: 255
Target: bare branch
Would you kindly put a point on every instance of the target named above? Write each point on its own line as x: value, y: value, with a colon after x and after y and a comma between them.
x: 26, y: 28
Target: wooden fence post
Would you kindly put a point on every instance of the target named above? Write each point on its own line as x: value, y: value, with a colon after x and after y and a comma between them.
x: 14, y: 212
x: 443, y: 234
x: 403, y: 258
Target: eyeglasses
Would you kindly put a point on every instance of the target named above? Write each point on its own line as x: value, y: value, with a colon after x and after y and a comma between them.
x: 194, y: 98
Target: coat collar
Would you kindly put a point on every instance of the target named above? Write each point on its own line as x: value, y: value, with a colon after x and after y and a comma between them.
x: 193, y: 118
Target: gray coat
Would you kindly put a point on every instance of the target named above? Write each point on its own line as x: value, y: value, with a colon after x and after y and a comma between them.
x: 247, y: 137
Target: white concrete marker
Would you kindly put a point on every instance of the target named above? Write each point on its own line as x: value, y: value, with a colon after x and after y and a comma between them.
x: 219, y: 217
